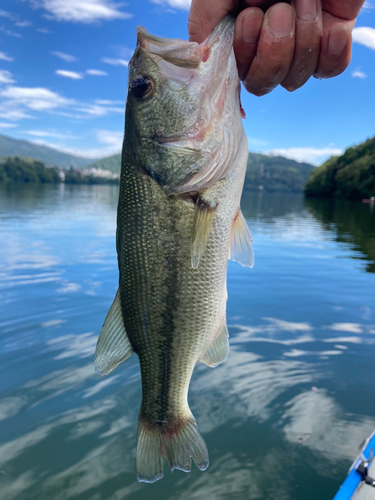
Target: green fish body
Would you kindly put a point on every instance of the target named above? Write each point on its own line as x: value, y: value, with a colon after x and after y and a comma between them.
x: 178, y: 222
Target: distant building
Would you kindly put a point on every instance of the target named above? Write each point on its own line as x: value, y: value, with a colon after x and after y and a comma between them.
x: 97, y: 172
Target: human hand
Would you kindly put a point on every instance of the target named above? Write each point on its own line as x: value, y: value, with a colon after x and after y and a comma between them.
x: 287, y: 44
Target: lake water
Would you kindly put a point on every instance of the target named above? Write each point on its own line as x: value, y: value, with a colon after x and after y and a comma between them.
x: 283, y: 417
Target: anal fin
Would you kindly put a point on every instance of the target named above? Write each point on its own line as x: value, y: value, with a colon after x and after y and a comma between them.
x: 218, y: 351
x: 241, y: 249
x: 113, y: 345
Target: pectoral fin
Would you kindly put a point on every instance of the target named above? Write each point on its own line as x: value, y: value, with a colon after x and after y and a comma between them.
x: 219, y: 349
x: 241, y: 249
x: 113, y: 345
x: 201, y: 231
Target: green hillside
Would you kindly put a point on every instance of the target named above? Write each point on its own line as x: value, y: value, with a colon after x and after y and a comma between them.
x: 276, y: 174
x: 111, y: 163
x: 350, y: 176
x: 271, y: 173
x: 16, y: 147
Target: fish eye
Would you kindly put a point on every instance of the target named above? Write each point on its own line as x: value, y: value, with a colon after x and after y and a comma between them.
x: 141, y: 86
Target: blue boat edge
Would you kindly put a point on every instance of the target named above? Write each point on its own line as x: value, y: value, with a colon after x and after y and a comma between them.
x: 349, y: 486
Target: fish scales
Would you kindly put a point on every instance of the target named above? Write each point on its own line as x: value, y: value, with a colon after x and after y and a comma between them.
x: 171, y: 311
x: 173, y: 241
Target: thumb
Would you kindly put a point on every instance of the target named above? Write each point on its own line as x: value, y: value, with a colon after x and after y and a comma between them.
x: 204, y: 15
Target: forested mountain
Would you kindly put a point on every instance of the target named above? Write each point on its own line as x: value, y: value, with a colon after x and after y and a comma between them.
x: 276, y: 174
x: 270, y: 173
x: 16, y: 147
x: 350, y: 176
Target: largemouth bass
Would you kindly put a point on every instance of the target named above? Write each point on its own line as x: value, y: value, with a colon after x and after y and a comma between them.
x: 183, y: 165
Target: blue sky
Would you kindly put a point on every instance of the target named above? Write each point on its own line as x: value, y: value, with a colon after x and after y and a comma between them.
x: 63, y: 78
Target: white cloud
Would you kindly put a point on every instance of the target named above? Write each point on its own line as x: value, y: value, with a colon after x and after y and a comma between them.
x: 96, y: 72
x: 55, y: 135
x: 14, y: 100
x: 255, y: 142
x: 123, y: 51
x: 69, y: 74
x: 368, y: 5
x: 111, y: 140
x: 4, y: 57
x: 110, y: 137
x: 72, y: 345
x: 99, y: 386
x: 69, y: 287
x: 8, y: 15
x: 45, y: 31
x: 23, y: 24
x: 9, y: 32
x: 15, y: 18
x: 9, y: 111
x: 106, y: 102
x: 310, y: 155
x: 52, y: 323
x: 115, y: 62
x: 7, y: 125
x: 359, y: 74
x: 365, y: 36
x: 64, y: 57
x: 82, y: 11
x: 178, y: 4
x: 94, y: 110
x: 5, y: 76
x: 346, y: 327
x: 37, y: 98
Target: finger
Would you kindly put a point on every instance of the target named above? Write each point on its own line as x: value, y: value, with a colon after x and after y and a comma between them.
x: 247, y: 31
x: 336, y: 48
x: 344, y: 9
x: 275, y: 51
x: 307, y: 43
x: 204, y: 16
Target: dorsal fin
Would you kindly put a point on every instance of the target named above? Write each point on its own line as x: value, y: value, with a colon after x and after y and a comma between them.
x: 241, y: 249
x: 219, y: 349
x: 113, y: 345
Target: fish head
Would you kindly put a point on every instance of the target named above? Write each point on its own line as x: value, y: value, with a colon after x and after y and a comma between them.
x: 183, y: 116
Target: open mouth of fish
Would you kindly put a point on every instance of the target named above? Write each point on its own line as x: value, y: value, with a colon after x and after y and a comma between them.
x: 199, y: 66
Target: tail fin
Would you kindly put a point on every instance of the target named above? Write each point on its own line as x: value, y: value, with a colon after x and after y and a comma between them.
x: 177, y: 446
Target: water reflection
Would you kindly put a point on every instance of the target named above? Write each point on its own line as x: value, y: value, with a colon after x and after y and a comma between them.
x: 303, y: 318
x: 320, y: 422
x: 352, y: 222
x: 256, y: 205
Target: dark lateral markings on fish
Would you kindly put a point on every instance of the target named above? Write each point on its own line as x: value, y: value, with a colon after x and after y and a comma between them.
x: 178, y: 221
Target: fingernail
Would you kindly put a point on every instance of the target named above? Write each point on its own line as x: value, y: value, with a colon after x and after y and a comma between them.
x: 306, y: 9
x: 251, y: 26
x: 281, y: 21
x: 338, y: 38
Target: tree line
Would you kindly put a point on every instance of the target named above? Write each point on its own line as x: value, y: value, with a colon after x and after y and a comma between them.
x: 15, y: 169
x: 350, y: 176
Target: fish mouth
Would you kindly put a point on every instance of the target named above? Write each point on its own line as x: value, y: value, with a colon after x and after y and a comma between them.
x: 203, y: 67
x: 189, y: 55
x: 208, y: 72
